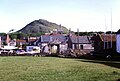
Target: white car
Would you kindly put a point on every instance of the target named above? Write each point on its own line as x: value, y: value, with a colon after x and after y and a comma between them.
x: 20, y: 52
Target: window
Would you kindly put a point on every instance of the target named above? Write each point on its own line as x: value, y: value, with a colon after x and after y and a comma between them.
x: 81, y: 46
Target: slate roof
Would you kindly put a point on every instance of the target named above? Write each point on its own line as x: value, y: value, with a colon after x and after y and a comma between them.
x: 80, y: 39
x: 60, y: 38
x: 51, y: 38
x: 63, y: 39
x: 44, y: 38
x: 118, y: 32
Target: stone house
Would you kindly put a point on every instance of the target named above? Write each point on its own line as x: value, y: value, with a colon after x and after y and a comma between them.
x: 104, y: 42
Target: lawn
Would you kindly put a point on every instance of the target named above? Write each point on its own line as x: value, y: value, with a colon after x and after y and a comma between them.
x: 28, y: 68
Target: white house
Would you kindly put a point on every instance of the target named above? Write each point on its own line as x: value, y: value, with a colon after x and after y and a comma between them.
x: 0, y: 42
x: 118, y: 41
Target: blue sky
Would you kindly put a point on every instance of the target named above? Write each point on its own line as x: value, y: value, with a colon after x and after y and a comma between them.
x: 87, y: 15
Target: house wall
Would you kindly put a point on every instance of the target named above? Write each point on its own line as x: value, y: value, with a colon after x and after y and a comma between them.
x: 70, y: 45
x: 118, y: 43
x: 99, y: 45
x: 7, y: 39
x: 87, y: 46
x: 63, y: 47
x: 75, y: 46
x: 44, y: 44
x: 0, y: 42
x: 82, y: 46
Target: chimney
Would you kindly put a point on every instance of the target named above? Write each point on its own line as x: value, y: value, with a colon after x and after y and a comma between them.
x: 7, y: 39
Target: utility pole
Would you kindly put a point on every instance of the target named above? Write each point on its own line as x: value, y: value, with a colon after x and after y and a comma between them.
x: 111, y: 27
x: 105, y: 40
x: 78, y: 38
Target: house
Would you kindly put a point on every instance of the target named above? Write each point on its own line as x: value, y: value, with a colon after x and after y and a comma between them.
x: 20, y: 43
x: 0, y: 42
x: 12, y: 42
x: 79, y: 42
x: 26, y: 41
x: 43, y: 40
x: 6, y: 40
x: 3, y: 40
x: 104, y: 42
x: 32, y: 42
x: 58, y: 41
x: 118, y: 41
x: 65, y: 42
x: 53, y: 40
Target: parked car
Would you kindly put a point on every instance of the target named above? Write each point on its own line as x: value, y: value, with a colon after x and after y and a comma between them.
x: 20, y: 52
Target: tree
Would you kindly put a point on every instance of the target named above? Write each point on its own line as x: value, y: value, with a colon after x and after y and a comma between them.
x: 84, y: 33
x: 13, y: 36
x: 2, y: 34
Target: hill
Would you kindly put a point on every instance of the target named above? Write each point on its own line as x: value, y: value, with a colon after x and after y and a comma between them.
x: 43, y: 26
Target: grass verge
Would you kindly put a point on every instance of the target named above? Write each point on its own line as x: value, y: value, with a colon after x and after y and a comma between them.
x: 26, y: 68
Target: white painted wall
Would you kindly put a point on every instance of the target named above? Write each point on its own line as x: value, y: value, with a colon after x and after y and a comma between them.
x: 87, y: 46
x: 0, y: 42
x: 118, y: 43
x: 73, y: 46
x: 63, y: 47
